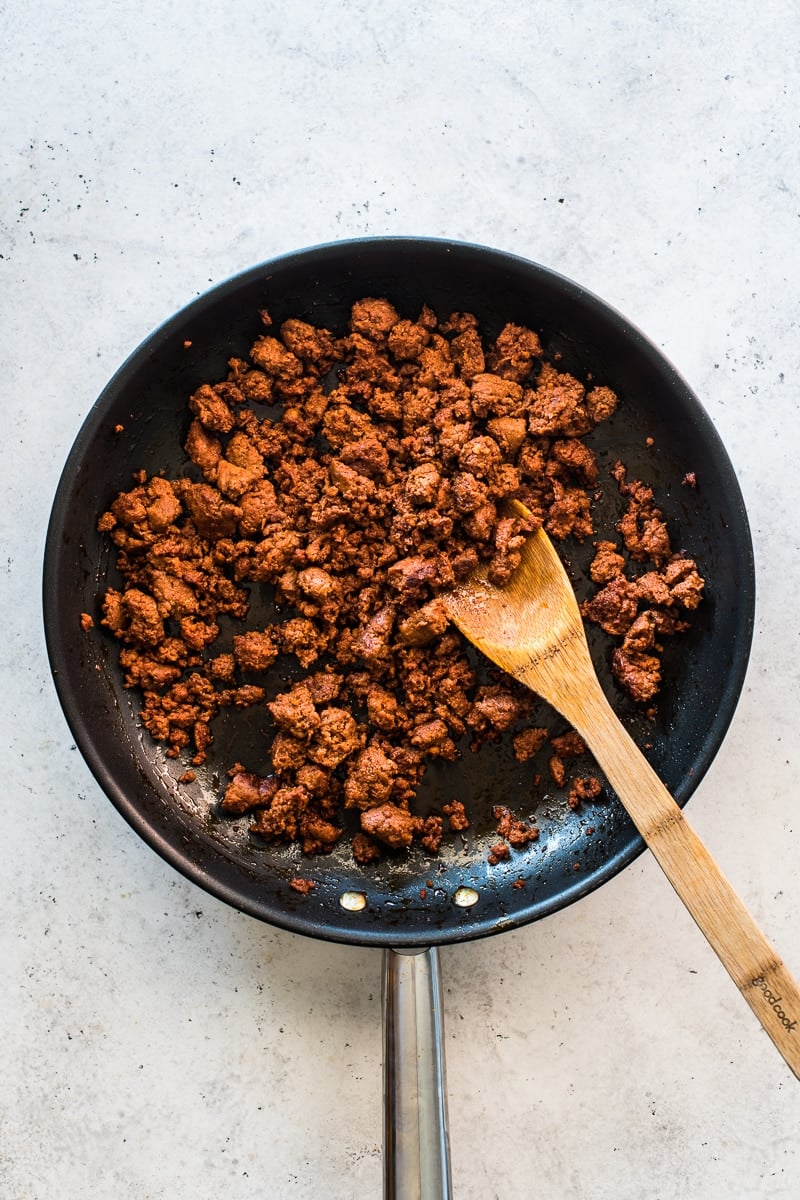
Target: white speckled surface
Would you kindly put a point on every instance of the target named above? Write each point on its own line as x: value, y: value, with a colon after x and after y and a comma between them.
x: 158, y: 1046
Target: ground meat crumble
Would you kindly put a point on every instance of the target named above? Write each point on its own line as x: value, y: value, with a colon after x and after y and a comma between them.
x: 375, y: 480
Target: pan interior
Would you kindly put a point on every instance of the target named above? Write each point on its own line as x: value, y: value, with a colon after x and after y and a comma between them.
x: 661, y: 433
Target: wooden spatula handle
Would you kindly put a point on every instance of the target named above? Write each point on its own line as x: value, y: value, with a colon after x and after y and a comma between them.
x: 751, y: 961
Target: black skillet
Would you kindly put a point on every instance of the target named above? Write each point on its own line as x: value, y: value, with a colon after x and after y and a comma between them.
x: 660, y: 432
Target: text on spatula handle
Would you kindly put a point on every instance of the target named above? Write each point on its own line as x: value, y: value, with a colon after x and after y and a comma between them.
x: 775, y: 1004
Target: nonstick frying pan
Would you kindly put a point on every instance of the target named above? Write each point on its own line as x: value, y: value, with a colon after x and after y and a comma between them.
x: 660, y: 431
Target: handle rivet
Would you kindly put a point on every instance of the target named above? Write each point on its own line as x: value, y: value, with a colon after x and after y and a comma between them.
x: 465, y: 897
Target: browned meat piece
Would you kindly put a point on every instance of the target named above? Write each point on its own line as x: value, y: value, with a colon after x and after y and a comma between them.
x: 409, y: 576
x: 288, y: 753
x: 558, y: 772
x: 576, y: 459
x: 645, y: 533
x: 273, y: 553
x: 86, y: 622
x: 198, y: 634
x: 370, y: 779
x: 174, y: 597
x: 528, y: 743
x: 383, y: 709
x: 431, y: 736
x: 639, y: 674
x: 317, y: 834
x: 452, y: 437
x: 601, y: 403
x: 480, y: 456
x: 457, y: 815
x: 275, y: 360
x: 114, y: 615
x: 514, y: 352
x: 373, y: 318
x: 458, y: 322
x: 644, y: 630
x: 435, y: 363
x: 319, y: 586
x: 280, y: 819
x: 422, y: 484
x: 425, y: 625
x: 129, y: 508
x: 372, y: 643
x: 302, y: 638
x: 300, y: 483
x: 390, y: 825
x: 467, y: 352
x: 509, y: 433
x: 303, y: 886
x: 324, y: 686
x: 684, y: 581
x: 516, y: 832
x: 642, y: 525
x: 163, y: 506
x: 613, y: 608
x: 532, y: 461
x: 257, y: 386
x: 367, y: 455
x: 242, y: 697
x: 586, y: 787
x: 141, y: 621
x: 365, y: 849
x: 407, y: 340
x: 147, y: 673
x: 464, y: 564
x: 246, y: 791
x: 222, y: 667
x: 468, y: 493
x: 430, y: 834
x: 243, y: 452
x: 213, y: 516
x: 505, y: 481
x: 316, y: 780
x: 211, y: 410
x: 336, y: 738
x: 499, y: 852
x: 351, y: 483
x: 558, y: 407
x: 495, y: 707
x: 235, y: 478
x: 607, y: 564
x: 652, y: 588
x: 480, y: 524
x: 258, y: 506
x: 569, y: 514
x: 294, y: 711
x: 509, y: 538
x: 254, y: 651
x: 181, y: 715
x: 568, y: 745
x: 493, y: 396
x: 202, y: 448
x: 308, y: 342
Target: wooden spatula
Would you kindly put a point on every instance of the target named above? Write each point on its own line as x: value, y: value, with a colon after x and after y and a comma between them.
x: 532, y: 628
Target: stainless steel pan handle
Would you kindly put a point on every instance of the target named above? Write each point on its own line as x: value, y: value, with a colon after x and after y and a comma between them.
x: 416, y: 1154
